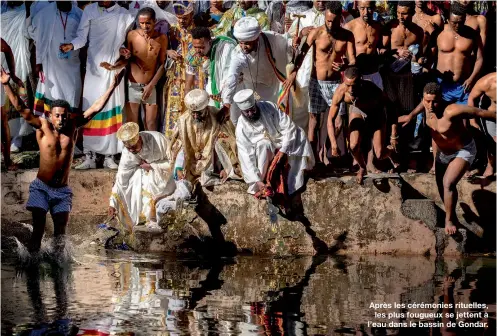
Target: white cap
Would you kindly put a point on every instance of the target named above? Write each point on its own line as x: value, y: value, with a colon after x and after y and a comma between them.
x: 247, y: 29
x: 196, y: 100
x: 244, y: 99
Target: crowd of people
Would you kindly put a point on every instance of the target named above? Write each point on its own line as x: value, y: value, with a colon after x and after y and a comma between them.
x: 261, y: 91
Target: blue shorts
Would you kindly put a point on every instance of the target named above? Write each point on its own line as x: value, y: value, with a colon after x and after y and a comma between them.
x: 453, y: 92
x: 47, y: 198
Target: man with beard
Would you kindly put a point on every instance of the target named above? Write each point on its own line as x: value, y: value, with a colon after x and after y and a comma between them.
x: 367, y: 118
x: 204, y: 143
x: 56, y: 137
x: 148, y: 49
x: 367, y: 37
x: 331, y: 44
x: 258, y: 62
x: 456, y: 147
x: 243, y: 8
x: 273, y: 151
x: 219, y: 52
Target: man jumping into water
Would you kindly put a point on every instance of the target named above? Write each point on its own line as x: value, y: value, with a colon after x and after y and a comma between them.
x: 56, y: 137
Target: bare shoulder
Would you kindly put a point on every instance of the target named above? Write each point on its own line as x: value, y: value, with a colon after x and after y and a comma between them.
x: 314, y: 33
x: 351, y: 24
x: 437, y: 19
x: 132, y: 34
x: 452, y: 110
x: 482, y: 21
x: 45, y: 126
x: 339, y: 94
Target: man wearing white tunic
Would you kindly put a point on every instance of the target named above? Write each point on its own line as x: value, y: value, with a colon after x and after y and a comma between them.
x: 219, y: 51
x: 104, y: 26
x: 144, y: 175
x: 55, y: 24
x: 259, y: 61
x: 314, y: 17
x: 14, y: 32
x: 265, y: 135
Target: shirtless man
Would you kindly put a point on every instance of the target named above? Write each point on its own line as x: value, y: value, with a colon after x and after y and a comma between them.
x: 367, y: 36
x: 486, y: 86
x: 429, y: 21
x: 367, y: 118
x: 331, y: 45
x: 147, y: 48
x: 56, y: 137
x: 474, y: 20
x: 454, y: 49
x: 399, y: 35
x: 456, y: 147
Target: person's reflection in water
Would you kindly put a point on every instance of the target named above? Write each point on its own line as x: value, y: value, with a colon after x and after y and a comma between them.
x: 283, y: 315
x: 62, y: 325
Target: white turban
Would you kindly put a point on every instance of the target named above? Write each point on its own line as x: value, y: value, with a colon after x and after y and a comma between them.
x: 196, y: 100
x: 244, y: 99
x: 247, y: 29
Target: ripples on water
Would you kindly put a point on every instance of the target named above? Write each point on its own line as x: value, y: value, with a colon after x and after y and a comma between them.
x: 125, y: 294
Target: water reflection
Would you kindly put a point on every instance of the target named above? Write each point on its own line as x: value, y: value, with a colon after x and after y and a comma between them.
x: 121, y: 295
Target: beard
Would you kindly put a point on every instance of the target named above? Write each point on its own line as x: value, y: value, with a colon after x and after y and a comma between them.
x: 198, y: 118
x: 252, y: 118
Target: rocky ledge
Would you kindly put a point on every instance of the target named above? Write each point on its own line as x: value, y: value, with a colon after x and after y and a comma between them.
x: 387, y: 215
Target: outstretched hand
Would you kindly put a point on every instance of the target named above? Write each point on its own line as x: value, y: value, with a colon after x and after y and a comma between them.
x: 5, y: 77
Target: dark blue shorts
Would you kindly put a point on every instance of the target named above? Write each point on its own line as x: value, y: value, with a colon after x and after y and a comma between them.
x: 47, y: 198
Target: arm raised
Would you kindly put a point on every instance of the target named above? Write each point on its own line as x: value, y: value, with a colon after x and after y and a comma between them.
x: 99, y: 104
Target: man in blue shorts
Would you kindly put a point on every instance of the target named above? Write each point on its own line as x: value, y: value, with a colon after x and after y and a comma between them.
x: 56, y: 135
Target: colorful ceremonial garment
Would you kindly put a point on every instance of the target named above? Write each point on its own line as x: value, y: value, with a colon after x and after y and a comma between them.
x: 225, y: 26
x: 62, y: 76
x: 174, y: 94
x: 106, y: 36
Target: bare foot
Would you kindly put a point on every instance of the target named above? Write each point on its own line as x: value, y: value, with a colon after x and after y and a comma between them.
x: 432, y: 170
x: 372, y: 169
x: 450, y: 228
x: 360, y: 175
x: 489, y: 171
x: 471, y: 174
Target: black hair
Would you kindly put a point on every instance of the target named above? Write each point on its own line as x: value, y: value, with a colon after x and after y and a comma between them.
x: 146, y: 11
x: 457, y: 9
x: 408, y: 4
x: 352, y: 72
x: 335, y: 7
x: 60, y: 103
x: 432, y: 88
x: 201, y: 32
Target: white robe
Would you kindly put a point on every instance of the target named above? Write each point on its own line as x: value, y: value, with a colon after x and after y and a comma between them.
x: 14, y: 32
x: 274, y: 130
x: 135, y: 189
x: 62, y: 76
x: 313, y: 18
x: 105, y: 31
x: 256, y: 70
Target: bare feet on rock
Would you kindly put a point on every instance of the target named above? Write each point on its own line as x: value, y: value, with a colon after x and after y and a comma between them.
x: 450, y: 228
x: 490, y: 171
x: 360, y: 175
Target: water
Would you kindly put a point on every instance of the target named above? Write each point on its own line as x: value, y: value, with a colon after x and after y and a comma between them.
x: 122, y: 293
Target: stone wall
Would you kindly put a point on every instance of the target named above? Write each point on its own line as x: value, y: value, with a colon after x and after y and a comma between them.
x: 384, y: 216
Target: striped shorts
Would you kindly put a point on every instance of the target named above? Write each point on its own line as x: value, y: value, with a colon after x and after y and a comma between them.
x: 42, y: 196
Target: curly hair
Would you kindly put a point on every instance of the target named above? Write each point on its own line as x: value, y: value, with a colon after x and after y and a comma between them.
x: 432, y: 88
x: 335, y: 7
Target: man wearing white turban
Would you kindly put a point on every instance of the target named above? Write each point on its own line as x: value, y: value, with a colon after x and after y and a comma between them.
x: 205, y: 143
x: 273, y: 151
x: 259, y: 62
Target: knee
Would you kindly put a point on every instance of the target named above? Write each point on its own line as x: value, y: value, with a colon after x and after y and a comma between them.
x: 380, y: 152
x: 449, y: 185
x: 354, y: 146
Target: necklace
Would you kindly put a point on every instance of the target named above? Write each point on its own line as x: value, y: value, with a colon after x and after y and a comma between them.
x: 254, y: 84
x: 64, y: 23
x: 147, y: 39
x: 199, y: 144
